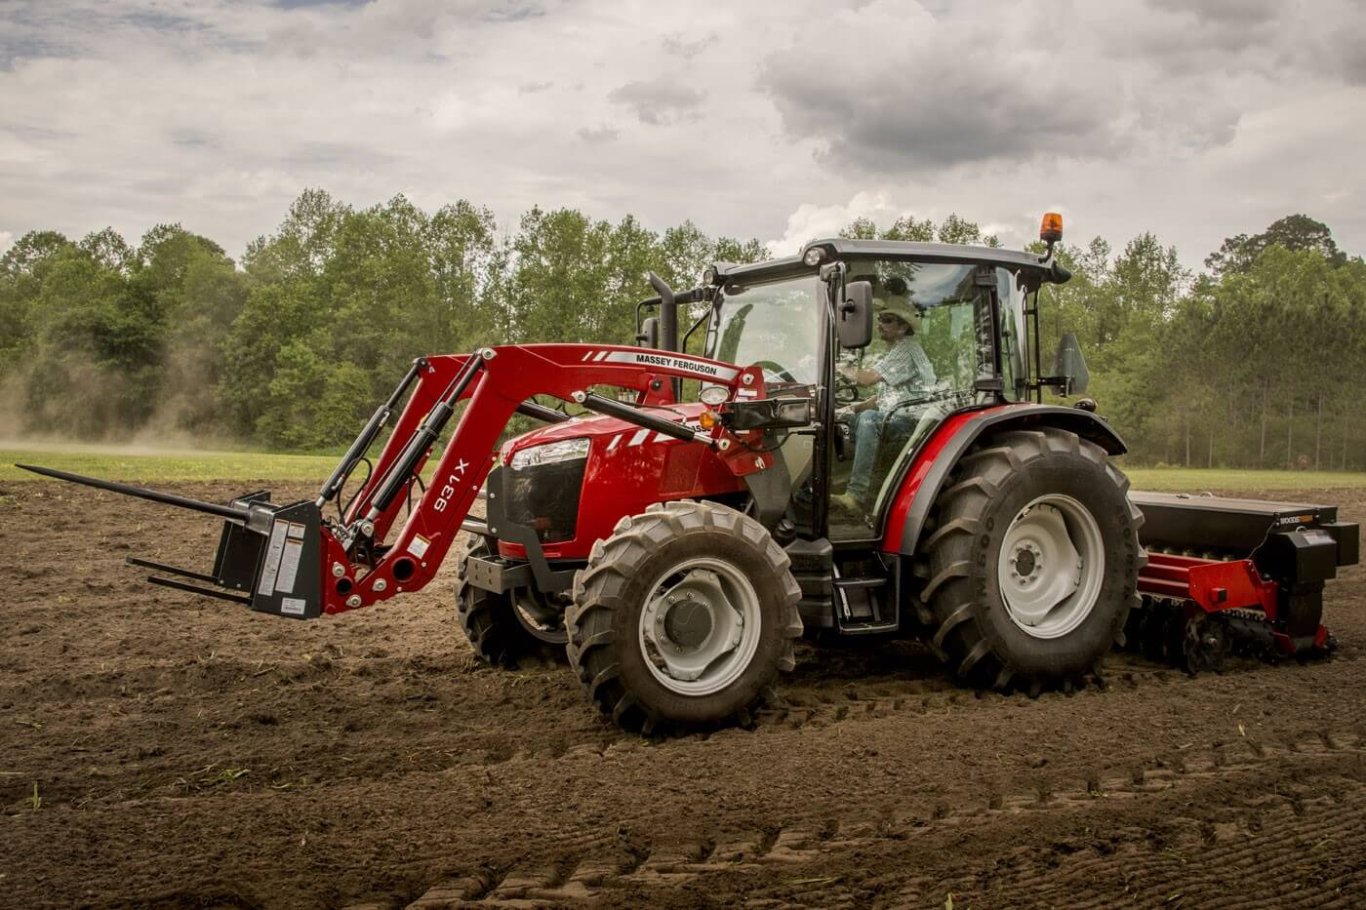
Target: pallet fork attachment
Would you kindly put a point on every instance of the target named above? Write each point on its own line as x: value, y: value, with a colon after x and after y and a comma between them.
x: 263, y: 553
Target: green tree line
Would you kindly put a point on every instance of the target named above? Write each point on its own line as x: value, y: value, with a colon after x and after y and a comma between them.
x: 293, y: 348
x: 1255, y: 362
x: 1259, y: 361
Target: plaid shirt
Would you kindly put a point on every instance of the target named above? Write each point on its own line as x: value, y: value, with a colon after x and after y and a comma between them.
x: 905, y: 371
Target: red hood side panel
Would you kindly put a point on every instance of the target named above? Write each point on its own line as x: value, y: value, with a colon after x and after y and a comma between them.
x: 628, y: 469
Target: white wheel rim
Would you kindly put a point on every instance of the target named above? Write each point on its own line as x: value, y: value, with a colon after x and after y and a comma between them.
x: 1051, y: 566
x: 551, y: 634
x: 700, y: 626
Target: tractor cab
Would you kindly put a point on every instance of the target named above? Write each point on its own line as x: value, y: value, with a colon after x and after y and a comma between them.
x: 948, y: 334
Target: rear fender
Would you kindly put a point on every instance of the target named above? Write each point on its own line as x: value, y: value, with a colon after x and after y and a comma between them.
x: 930, y: 468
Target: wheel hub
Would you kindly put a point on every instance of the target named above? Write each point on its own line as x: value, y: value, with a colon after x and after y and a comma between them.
x: 699, y: 628
x: 688, y: 623
x: 1028, y: 562
x: 1051, y: 566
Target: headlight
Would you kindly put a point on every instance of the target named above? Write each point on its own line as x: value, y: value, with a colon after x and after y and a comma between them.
x: 550, y: 453
x: 714, y: 395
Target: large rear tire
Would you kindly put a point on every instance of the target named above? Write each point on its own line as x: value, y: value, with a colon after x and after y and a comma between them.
x: 1032, y: 561
x: 684, y: 616
x: 507, y: 629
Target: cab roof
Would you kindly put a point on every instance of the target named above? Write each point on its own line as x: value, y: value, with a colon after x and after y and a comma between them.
x: 847, y: 248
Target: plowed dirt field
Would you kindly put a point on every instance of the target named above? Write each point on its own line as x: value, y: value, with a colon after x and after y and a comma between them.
x: 160, y: 750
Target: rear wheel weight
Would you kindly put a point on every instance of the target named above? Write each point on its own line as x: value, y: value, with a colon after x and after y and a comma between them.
x: 1036, y: 580
x: 684, y: 616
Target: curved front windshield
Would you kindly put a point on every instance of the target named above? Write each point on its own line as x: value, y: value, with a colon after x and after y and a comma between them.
x: 775, y: 325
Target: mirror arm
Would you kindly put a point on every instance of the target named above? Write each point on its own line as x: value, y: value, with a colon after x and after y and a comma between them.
x: 1061, y: 383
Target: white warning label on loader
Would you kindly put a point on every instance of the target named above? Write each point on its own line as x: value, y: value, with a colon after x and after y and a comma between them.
x: 271, y: 567
x: 293, y: 606
x: 419, y: 546
x: 289, y: 565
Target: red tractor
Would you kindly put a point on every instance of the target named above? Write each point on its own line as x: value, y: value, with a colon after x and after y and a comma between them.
x: 803, y: 474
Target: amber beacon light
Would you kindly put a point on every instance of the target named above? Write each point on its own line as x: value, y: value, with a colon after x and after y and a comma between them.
x: 1051, y: 229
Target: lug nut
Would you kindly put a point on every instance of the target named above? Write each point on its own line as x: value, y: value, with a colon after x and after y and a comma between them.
x: 380, y: 585
x: 338, y: 570
x: 353, y: 601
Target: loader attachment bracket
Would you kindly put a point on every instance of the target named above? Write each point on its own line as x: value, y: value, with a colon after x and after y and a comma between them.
x: 276, y: 571
x: 288, y: 576
x: 239, y: 550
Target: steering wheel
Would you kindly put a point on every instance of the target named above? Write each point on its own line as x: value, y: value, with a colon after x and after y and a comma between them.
x: 768, y: 366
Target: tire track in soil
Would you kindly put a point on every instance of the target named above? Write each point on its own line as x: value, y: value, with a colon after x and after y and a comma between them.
x: 1157, y: 865
x: 834, y: 697
x: 826, y: 696
x: 1193, y: 863
x: 844, y: 699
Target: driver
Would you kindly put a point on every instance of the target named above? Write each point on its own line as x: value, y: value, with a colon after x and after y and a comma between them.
x: 898, y: 375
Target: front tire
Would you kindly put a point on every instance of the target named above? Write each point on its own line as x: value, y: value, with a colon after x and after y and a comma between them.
x: 505, y: 629
x: 1033, y: 562
x: 685, y: 616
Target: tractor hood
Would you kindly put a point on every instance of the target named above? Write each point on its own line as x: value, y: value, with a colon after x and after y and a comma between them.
x: 598, y: 427
x: 575, y: 480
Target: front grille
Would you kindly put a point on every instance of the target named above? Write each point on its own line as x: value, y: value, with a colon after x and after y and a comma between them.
x: 545, y: 497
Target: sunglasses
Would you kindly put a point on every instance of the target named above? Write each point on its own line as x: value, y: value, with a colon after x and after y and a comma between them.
x: 888, y: 318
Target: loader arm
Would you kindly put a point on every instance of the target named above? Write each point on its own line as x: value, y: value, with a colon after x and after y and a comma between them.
x: 288, y: 560
x: 496, y: 381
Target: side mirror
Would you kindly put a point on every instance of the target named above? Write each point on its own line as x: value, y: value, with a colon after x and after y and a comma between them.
x: 854, y: 319
x: 649, y: 332
x: 1069, y: 366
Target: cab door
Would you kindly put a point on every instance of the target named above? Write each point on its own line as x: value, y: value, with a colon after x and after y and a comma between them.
x: 957, y: 334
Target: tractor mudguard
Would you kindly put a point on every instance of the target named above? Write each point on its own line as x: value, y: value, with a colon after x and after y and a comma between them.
x: 924, y: 477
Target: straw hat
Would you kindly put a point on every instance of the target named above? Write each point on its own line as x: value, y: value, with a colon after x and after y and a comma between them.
x: 900, y: 307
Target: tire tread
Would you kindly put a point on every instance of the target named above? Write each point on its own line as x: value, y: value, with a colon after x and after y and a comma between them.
x: 948, y: 572
x: 598, y: 596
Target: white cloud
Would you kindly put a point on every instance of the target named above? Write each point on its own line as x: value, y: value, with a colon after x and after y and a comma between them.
x: 814, y: 222
x: 774, y: 118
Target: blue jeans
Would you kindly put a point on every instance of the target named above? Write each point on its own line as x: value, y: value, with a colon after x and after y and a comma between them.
x: 867, y: 432
x: 868, y: 429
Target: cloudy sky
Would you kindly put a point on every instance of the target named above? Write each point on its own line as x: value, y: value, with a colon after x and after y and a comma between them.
x: 776, y: 119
